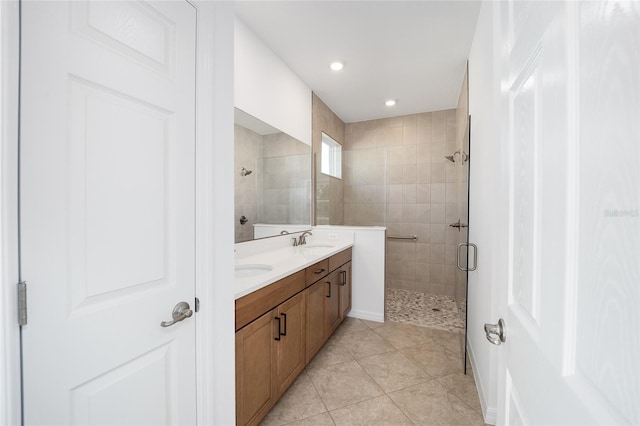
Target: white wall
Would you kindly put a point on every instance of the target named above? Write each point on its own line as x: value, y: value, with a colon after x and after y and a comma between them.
x: 215, y: 240
x: 367, y: 290
x: 487, y: 204
x: 9, y: 330
x: 267, y: 88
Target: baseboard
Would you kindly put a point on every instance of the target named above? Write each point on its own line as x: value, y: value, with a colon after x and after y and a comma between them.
x: 489, y: 413
x: 370, y: 316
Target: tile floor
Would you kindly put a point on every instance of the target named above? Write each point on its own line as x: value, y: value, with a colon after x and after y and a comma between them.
x: 388, y: 374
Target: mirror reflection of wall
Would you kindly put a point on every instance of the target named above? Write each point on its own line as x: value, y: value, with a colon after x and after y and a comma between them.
x: 272, y: 180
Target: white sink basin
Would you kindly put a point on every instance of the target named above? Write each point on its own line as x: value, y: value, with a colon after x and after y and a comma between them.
x: 315, y: 249
x: 251, y: 270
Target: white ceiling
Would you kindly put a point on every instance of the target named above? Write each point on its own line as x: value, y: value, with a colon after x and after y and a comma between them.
x: 412, y: 51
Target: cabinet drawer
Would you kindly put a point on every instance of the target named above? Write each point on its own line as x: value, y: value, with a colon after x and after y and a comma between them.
x: 260, y: 301
x: 317, y: 271
x: 339, y: 259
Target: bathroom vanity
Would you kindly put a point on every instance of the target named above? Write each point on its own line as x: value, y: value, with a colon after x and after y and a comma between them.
x: 283, y: 317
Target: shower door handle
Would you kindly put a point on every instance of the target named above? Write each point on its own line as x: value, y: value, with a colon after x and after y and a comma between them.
x: 475, y: 257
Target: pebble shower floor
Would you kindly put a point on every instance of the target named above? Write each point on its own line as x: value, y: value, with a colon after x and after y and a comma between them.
x: 422, y: 309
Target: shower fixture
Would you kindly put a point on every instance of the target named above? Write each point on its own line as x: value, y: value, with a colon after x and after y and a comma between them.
x: 245, y: 172
x: 464, y: 157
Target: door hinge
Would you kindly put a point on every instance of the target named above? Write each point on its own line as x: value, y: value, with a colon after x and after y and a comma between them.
x: 197, y: 305
x: 22, y: 303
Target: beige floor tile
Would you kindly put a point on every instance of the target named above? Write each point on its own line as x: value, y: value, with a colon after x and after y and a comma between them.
x: 378, y: 411
x: 373, y: 324
x: 350, y: 325
x: 403, y: 336
x: 363, y: 343
x: 431, y: 404
x: 323, y: 419
x: 300, y: 401
x: 330, y: 354
x: 393, y: 371
x: 450, y: 340
x: 464, y: 387
x: 343, y: 384
x: 436, y: 360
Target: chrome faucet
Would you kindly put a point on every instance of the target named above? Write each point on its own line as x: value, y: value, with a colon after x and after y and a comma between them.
x: 302, y: 239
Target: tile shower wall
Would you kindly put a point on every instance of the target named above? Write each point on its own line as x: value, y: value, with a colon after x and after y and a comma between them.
x: 248, y: 149
x: 279, y: 188
x: 284, y: 181
x: 396, y: 175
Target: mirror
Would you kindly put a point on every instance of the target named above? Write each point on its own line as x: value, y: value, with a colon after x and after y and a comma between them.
x: 272, y: 180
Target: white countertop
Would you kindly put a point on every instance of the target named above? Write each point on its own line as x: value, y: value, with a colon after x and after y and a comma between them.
x: 285, y: 259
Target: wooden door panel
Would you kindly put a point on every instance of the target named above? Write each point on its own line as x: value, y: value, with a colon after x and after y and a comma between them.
x: 315, y: 335
x: 332, y: 303
x: 291, y: 346
x: 256, y: 360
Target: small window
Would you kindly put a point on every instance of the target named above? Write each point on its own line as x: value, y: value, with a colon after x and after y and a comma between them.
x: 331, y: 163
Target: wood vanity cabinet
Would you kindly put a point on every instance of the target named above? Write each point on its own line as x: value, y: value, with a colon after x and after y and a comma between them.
x: 272, y: 348
x: 270, y: 354
x: 315, y: 336
x: 332, y: 303
x: 256, y: 389
x: 344, y: 285
x: 290, y: 349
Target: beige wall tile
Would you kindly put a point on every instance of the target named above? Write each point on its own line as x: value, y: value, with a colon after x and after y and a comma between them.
x: 438, y: 173
x: 422, y: 252
x: 409, y: 134
x: 438, y: 192
x: 438, y: 213
x: 409, y: 173
x: 423, y: 213
x: 437, y: 233
x: 408, y: 213
x: 439, y: 122
x: 424, y: 173
x: 423, y: 193
x: 409, y: 193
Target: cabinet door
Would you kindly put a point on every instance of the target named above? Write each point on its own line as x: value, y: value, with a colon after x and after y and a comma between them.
x: 290, y: 348
x: 332, y: 303
x: 344, y: 281
x: 315, y: 335
x: 256, y: 387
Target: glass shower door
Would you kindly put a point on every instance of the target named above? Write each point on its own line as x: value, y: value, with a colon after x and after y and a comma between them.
x: 462, y: 272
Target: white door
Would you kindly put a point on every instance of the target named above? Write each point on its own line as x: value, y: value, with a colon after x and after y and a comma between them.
x: 107, y: 187
x: 571, y: 92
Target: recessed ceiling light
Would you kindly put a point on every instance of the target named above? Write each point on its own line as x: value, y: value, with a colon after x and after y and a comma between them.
x: 336, y: 66
x: 390, y: 102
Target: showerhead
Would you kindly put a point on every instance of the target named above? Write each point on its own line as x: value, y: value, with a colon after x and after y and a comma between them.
x: 245, y: 172
x: 450, y: 158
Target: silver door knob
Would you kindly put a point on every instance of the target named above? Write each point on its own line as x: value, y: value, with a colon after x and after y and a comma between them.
x: 496, y: 333
x: 180, y: 312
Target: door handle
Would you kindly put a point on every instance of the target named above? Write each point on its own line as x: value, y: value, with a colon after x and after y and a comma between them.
x: 181, y: 311
x: 279, y: 332
x: 284, y: 319
x: 329, y: 283
x: 475, y: 257
x: 496, y: 333
x: 343, y: 274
